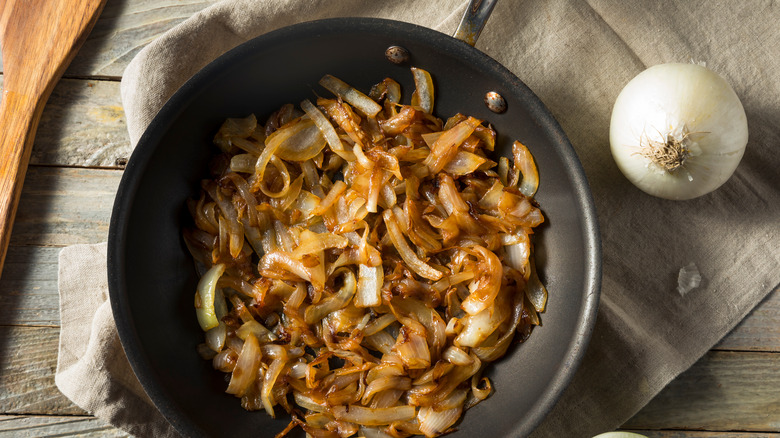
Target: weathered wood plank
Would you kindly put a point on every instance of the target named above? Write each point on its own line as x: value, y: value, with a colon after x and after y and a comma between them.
x: 28, y: 361
x: 123, y: 29
x: 64, y: 206
x: 759, y: 331
x: 28, y: 287
x: 23, y: 426
x: 702, y: 434
x: 83, y: 124
x: 724, y: 391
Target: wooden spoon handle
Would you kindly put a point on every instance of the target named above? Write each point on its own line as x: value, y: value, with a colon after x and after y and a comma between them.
x: 19, y: 117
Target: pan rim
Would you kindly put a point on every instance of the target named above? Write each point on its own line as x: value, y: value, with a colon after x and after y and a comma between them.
x: 149, y: 141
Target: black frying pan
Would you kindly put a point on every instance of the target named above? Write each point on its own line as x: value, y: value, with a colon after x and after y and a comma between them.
x: 152, y: 278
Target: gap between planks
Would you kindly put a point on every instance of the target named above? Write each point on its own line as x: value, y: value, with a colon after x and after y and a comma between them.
x: 55, y: 425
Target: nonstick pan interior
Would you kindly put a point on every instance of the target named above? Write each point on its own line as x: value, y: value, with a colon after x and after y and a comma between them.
x: 152, y: 278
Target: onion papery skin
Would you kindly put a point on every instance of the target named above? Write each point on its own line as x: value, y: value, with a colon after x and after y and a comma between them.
x: 679, y: 100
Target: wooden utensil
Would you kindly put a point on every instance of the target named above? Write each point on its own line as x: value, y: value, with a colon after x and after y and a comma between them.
x: 39, y: 39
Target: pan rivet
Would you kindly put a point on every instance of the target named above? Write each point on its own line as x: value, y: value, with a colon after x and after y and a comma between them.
x: 495, y: 102
x: 397, y: 54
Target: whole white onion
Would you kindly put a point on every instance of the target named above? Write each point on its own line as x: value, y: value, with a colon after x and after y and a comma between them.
x: 678, y: 131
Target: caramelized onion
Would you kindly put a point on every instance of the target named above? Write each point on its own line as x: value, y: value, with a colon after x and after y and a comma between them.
x: 389, y: 261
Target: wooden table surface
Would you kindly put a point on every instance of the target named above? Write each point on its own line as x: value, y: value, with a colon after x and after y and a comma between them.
x: 76, y: 165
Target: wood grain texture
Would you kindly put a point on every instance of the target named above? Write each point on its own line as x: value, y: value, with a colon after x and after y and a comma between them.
x: 702, y: 434
x: 124, y: 28
x: 28, y: 288
x: 83, y: 124
x: 759, y: 331
x: 28, y: 360
x: 24, y: 426
x: 724, y: 391
x: 64, y: 206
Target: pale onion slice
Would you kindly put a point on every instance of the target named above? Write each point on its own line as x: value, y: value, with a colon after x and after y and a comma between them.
x: 352, y: 96
x: 464, y: 163
x: 407, y: 254
x: 379, y: 324
x: 380, y: 341
x: 306, y: 202
x: 313, y: 243
x: 524, y: 161
x: 373, y: 417
x: 497, y: 350
x: 245, y: 372
x: 247, y: 146
x: 517, y: 255
x: 234, y: 128
x: 535, y: 290
x: 369, y: 286
x: 477, y: 328
x: 328, y: 131
x: 205, y: 296
x: 215, y: 337
x: 435, y: 422
x: 423, y: 93
x: 307, y: 402
x: 299, y: 140
x: 257, y: 330
x: 243, y: 163
x: 457, y: 356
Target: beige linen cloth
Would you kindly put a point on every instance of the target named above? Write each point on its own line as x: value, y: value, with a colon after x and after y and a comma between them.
x: 576, y: 56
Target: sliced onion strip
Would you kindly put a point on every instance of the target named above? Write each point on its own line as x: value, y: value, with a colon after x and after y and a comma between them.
x: 351, y: 95
x: 399, y: 241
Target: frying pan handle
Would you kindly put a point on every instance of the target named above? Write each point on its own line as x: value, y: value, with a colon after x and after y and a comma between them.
x: 477, y: 14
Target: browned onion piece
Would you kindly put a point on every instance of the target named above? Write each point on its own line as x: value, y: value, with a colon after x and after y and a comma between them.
x: 245, y: 371
x: 373, y: 417
x: 282, y: 169
x: 399, y: 241
x: 330, y: 134
x: 234, y: 128
x: 446, y: 146
x: 485, y: 288
x: 281, y: 261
